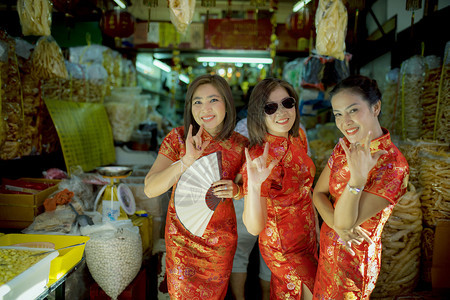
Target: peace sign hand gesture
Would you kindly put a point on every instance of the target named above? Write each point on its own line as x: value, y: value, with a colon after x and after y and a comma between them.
x: 194, y: 146
x: 360, y: 160
x: 257, y: 169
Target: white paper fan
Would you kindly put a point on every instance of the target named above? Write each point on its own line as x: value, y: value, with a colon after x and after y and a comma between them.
x: 194, y: 201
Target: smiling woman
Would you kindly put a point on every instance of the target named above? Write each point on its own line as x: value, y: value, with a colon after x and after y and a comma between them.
x: 356, y: 192
x: 278, y: 177
x: 208, y: 108
x: 212, y: 89
x: 200, y: 266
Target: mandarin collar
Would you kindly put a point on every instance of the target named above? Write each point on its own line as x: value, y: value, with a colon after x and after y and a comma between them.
x: 278, y: 140
x: 206, y: 136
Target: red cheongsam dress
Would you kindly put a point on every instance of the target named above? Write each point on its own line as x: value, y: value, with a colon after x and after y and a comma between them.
x: 288, y: 243
x: 200, y: 267
x: 341, y: 275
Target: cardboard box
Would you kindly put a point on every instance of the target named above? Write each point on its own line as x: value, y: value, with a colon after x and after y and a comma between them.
x: 145, y: 225
x: 441, y: 259
x: 18, y: 210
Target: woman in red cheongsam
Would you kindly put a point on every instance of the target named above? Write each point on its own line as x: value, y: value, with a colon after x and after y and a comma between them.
x: 277, y: 178
x: 199, y: 267
x: 365, y: 176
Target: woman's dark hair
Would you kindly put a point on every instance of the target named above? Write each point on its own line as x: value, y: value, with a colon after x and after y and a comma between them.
x: 224, y: 89
x: 360, y: 85
x: 256, y: 117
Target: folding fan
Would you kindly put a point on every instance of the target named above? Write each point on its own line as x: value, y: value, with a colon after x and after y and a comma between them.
x: 194, y: 200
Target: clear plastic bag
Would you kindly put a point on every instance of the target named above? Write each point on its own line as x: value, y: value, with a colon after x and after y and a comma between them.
x: 401, y: 238
x: 181, y: 13
x: 412, y: 74
x: 59, y: 221
x: 47, y: 60
x: 113, y: 255
x: 331, y: 28
x: 35, y: 16
x: 435, y: 180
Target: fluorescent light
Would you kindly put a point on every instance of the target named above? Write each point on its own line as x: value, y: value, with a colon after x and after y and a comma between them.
x: 300, y: 4
x: 120, y: 3
x: 232, y: 60
x: 163, y: 66
x: 184, y: 78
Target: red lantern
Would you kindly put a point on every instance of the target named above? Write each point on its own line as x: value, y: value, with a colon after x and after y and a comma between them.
x: 299, y: 24
x: 117, y: 24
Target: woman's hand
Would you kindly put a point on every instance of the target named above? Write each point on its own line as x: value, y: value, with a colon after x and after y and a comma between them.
x: 355, y: 236
x: 224, y: 188
x: 194, y: 147
x: 257, y: 169
x: 360, y: 160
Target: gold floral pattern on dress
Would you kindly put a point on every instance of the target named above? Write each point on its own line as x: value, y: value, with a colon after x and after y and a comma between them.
x: 286, y: 243
x: 200, y: 267
x: 339, y: 274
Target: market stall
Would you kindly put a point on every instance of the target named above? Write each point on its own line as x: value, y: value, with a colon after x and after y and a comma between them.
x: 88, y: 91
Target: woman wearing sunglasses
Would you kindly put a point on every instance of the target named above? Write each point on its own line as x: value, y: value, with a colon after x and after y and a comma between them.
x: 277, y: 184
x: 365, y: 177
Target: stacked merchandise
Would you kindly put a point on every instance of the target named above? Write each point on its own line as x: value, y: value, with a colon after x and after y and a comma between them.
x: 389, y: 100
x: 434, y: 178
x: 30, y: 74
x: 418, y: 100
x: 12, y: 119
x: 26, y: 121
x: 104, y: 66
x: 412, y: 79
x: 430, y: 95
x: 126, y: 108
x: 323, y: 138
x: 401, y: 248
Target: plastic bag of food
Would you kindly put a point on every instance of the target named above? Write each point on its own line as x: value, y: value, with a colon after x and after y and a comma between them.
x: 412, y: 77
x: 87, y: 54
x: 113, y: 255
x: 443, y: 115
x: 435, y: 179
x: 292, y: 72
x: 400, y: 258
x: 121, y: 118
x: 430, y: 97
x: 390, y: 97
x: 35, y: 16
x: 60, y: 220
x: 83, y: 191
x: 47, y: 60
x: 331, y: 28
x: 11, y: 111
x: 312, y: 74
x: 411, y: 150
x: 181, y: 13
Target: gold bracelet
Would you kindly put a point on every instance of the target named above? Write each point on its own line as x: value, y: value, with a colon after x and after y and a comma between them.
x: 236, y: 197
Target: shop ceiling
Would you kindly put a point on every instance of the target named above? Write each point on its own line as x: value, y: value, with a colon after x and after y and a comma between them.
x: 91, y: 10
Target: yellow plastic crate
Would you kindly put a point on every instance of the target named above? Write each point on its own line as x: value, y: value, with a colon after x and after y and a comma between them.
x: 67, y: 258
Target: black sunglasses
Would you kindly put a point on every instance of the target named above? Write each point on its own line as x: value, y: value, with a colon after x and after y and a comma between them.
x: 271, y: 108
